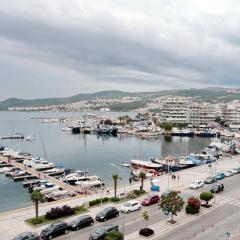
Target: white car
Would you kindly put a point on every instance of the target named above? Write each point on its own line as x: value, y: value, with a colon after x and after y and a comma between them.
x: 131, y: 206
x: 228, y: 173
x: 197, y: 184
x: 235, y: 171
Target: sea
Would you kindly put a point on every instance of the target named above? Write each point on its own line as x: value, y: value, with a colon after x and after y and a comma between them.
x: 99, y: 155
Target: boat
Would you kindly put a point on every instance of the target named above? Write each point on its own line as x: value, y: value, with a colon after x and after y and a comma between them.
x: 207, y: 133
x: 90, y: 181
x: 168, y: 165
x: 30, y: 138
x: 54, y: 172
x: 145, y: 164
x: 74, y: 177
x: 106, y: 130
x: 67, y: 129
x: 58, y: 195
x: 125, y: 164
x: 49, y: 189
x: 182, y: 133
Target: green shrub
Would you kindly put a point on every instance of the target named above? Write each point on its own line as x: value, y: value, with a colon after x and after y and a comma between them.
x: 98, y: 201
x: 114, y: 235
x: 131, y: 194
x: 115, y: 199
x: 80, y: 209
x: 206, y: 196
x: 191, y: 210
x: 138, y: 192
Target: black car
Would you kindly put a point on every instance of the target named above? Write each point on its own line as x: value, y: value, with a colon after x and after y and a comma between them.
x: 101, y: 232
x: 27, y: 236
x: 81, y: 222
x: 54, y: 230
x: 210, y: 180
x: 107, y: 213
x: 217, y: 188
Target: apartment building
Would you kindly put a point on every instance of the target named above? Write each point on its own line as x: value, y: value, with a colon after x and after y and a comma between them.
x: 231, y: 112
x: 175, y: 110
x: 201, y: 113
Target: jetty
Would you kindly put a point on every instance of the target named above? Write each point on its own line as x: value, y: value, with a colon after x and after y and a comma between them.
x: 32, y: 173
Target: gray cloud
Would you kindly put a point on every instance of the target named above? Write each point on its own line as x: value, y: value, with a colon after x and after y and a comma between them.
x: 59, y: 48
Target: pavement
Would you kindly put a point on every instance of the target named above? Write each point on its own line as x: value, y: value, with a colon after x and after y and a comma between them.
x: 12, y: 223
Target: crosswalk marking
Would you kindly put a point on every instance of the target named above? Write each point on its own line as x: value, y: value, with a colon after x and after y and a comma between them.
x: 228, y: 200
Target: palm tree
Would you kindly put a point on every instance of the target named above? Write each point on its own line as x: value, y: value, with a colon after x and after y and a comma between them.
x: 37, y: 197
x: 115, y: 180
x: 142, y: 176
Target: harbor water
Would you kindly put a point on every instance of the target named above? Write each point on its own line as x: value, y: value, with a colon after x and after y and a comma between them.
x: 99, y: 155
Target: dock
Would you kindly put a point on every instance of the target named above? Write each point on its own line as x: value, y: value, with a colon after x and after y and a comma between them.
x: 22, y: 178
x: 33, y: 173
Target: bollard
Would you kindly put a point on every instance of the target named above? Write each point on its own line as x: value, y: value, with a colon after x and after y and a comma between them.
x: 203, y: 230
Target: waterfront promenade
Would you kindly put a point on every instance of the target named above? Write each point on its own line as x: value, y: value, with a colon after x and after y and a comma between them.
x: 12, y: 223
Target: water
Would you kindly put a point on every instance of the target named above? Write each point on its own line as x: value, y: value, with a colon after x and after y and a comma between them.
x: 99, y: 155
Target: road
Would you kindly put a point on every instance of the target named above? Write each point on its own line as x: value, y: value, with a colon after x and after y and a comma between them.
x: 222, y: 215
x: 214, y: 225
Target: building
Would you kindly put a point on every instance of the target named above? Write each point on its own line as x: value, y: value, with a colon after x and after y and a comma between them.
x: 201, y: 113
x: 175, y: 110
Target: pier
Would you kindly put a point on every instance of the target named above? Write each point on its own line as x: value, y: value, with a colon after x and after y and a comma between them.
x: 37, y: 174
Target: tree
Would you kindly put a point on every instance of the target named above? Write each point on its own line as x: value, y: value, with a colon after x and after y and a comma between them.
x: 37, y: 197
x: 142, y: 176
x: 146, y: 216
x: 206, y: 196
x: 193, y: 205
x: 172, y: 203
x: 114, y: 235
x: 167, y: 126
x: 115, y: 181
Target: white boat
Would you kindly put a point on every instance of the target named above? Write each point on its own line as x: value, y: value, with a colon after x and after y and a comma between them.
x: 6, y: 169
x: 50, y: 189
x: 30, y: 138
x: 145, y: 164
x: 90, y: 181
x: 125, y: 164
x: 73, y: 177
x: 43, y: 165
x: 67, y: 129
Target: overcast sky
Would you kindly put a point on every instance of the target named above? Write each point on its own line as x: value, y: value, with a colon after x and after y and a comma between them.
x: 53, y: 48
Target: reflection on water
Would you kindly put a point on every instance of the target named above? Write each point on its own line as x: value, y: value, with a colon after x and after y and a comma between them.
x: 93, y: 153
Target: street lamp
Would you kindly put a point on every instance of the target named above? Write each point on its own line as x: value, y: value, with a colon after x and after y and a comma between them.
x: 124, y: 197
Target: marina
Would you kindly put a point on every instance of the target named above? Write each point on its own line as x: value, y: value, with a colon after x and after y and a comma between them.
x: 79, y: 163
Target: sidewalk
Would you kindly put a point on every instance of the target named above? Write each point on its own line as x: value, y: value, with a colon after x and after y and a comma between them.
x: 12, y: 223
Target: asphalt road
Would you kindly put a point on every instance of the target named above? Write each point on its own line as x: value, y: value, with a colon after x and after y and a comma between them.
x: 133, y: 221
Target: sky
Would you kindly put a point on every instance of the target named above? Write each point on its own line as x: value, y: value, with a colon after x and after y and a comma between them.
x: 60, y: 48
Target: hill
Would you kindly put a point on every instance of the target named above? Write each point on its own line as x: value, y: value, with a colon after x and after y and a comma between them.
x: 206, y: 94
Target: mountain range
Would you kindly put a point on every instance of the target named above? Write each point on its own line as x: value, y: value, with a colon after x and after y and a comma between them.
x: 206, y: 94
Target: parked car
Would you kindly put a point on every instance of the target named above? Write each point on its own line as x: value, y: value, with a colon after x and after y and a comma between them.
x: 107, y: 213
x: 81, y: 222
x: 236, y: 170
x: 210, y: 180
x: 196, y: 184
x: 101, y: 232
x: 54, y: 230
x: 228, y: 173
x: 150, y: 200
x: 131, y: 206
x: 27, y: 236
x: 217, y: 188
x: 220, y: 176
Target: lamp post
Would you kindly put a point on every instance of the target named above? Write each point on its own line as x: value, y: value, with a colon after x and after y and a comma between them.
x: 124, y: 190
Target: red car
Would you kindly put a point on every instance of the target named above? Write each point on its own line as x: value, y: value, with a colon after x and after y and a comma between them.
x: 150, y: 200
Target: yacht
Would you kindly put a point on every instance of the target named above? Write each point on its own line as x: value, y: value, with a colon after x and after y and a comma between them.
x: 74, y: 177
x: 89, y: 181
